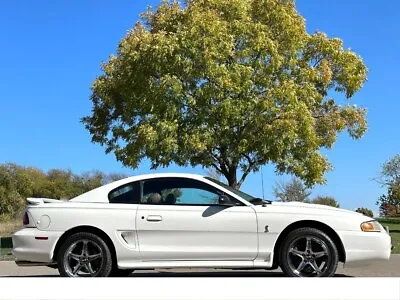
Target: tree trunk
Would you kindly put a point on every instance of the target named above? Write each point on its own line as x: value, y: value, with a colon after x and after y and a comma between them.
x: 231, y: 178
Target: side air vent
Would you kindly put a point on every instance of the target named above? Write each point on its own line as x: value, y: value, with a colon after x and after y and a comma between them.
x: 129, y: 238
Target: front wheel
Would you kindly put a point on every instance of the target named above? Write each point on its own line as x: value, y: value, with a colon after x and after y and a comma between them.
x: 308, y: 252
x: 84, y: 255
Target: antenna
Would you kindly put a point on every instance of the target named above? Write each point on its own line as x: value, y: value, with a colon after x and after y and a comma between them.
x: 262, y: 183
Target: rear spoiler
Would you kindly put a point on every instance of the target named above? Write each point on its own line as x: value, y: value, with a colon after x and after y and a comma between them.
x: 39, y: 201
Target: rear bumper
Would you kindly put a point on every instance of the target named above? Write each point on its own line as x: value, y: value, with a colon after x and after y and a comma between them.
x: 364, y: 248
x: 27, y: 248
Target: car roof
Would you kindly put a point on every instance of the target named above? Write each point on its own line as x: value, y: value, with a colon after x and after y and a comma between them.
x: 159, y: 175
x: 104, y: 189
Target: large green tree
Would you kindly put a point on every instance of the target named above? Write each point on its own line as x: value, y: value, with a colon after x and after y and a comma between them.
x: 227, y: 84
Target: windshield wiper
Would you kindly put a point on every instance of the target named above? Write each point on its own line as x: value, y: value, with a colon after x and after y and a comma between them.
x: 260, y: 201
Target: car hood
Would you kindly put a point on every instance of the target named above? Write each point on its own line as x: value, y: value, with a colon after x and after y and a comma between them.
x: 314, y: 208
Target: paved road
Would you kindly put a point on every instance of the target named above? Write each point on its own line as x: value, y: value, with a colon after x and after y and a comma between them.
x: 381, y: 269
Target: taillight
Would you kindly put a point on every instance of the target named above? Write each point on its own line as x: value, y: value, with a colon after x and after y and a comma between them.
x: 25, y: 219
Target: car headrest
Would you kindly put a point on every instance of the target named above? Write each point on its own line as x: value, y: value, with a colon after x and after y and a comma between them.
x: 170, y: 199
x: 154, y: 198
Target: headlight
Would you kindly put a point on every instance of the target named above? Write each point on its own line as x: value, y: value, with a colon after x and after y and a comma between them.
x: 371, y: 226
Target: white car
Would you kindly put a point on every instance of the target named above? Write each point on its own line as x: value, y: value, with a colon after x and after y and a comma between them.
x: 186, y: 220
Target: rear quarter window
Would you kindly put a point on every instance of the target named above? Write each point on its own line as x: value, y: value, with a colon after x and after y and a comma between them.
x: 125, y: 194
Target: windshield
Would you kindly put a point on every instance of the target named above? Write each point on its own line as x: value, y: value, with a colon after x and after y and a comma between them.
x: 245, y: 196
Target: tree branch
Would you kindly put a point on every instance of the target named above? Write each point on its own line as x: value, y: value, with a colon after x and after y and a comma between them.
x: 222, y: 166
x: 248, y: 159
x: 247, y: 172
x: 318, y: 61
x: 217, y: 168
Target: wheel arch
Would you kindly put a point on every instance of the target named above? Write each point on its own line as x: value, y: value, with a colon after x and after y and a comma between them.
x: 90, y: 229
x: 313, y: 224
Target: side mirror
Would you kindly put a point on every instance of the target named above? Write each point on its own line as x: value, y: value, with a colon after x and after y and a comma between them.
x: 225, y: 201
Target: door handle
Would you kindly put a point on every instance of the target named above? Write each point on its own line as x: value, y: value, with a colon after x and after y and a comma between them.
x: 153, y: 218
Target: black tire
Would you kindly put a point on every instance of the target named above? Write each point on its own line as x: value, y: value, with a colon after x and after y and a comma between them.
x: 104, y: 262
x: 297, y: 260
x: 121, y: 272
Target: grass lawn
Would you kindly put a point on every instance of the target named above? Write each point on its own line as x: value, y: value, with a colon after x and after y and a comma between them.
x: 5, y: 254
x: 7, y: 228
x: 395, y: 234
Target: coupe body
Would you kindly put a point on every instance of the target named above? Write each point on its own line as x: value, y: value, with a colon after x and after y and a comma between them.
x: 187, y: 220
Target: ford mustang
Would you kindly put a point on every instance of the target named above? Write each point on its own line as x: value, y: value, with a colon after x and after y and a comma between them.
x: 187, y: 220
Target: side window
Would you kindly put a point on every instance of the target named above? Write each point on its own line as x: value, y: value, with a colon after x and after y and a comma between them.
x: 126, y: 194
x: 197, y: 196
x: 178, y: 191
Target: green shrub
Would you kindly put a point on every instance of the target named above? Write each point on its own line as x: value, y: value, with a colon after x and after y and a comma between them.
x: 389, y: 220
x: 11, y: 203
x: 326, y: 200
x: 365, y: 211
x: 19, y: 182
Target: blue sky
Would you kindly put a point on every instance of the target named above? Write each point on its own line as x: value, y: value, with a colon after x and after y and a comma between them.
x: 51, y: 52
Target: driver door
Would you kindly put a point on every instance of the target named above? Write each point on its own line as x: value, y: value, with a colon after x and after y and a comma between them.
x: 181, y: 219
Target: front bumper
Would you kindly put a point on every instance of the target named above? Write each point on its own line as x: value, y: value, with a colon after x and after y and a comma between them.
x: 364, y: 248
x: 27, y: 248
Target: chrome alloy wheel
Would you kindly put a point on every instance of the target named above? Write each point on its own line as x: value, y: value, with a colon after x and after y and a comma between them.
x: 83, y: 258
x: 308, y: 256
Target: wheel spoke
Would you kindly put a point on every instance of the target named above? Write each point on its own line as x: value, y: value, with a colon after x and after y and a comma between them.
x: 76, y: 269
x: 296, y: 252
x: 308, y: 244
x: 94, y: 256
x: 320, y: 254
x: 314, y: 265
x: 301, y: 266
x: 74, y: 256
x: 90, y: 269
x: 72, y: 248
x: 85, y: 247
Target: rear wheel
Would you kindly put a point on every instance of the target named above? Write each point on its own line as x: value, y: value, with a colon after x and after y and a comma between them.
x: 308, y: 252
x: 84, y: 255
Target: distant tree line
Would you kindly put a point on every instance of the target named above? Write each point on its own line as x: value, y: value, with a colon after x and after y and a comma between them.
x: 19, y: 182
